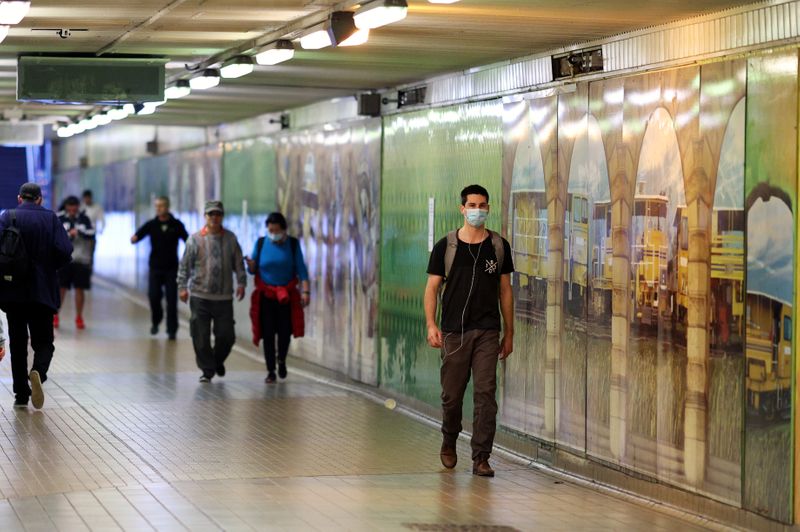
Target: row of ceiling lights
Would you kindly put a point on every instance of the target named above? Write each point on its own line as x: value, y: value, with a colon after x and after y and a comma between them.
x: 343, y: 28
x: 11, y: 14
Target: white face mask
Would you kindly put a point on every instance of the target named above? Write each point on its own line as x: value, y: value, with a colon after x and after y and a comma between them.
x: 476, y: 217
x: 275, y: 237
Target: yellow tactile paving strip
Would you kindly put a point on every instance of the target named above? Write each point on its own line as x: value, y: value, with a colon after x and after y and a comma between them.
x: 128, y: 440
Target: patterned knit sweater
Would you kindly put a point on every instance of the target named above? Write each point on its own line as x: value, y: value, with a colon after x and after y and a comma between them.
x: 209, y: 263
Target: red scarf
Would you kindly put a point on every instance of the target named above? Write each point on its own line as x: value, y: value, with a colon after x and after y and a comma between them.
x: 288, y: 294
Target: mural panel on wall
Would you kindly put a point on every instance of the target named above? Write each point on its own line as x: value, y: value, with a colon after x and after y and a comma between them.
x: 770, y: 201
x: 115, y: 189
x: 528, y: 391
x: 329, y: 189
x: 249, y: 187
x: 428, y: 154
x: 649, y: 273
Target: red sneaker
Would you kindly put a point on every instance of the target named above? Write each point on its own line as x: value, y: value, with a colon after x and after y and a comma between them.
x: 79, y: 323
x: 55, y: 321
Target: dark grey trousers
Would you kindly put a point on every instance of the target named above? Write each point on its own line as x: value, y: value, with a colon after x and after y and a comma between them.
x: 208, y: 314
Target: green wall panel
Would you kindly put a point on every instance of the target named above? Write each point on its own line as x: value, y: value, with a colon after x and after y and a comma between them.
x: 770, y: 202
x: 427, y: 154
x: 250, y: 172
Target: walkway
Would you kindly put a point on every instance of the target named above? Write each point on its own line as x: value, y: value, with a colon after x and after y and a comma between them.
x: 129, y: 440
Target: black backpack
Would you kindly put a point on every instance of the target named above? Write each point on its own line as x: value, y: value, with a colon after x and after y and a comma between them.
x: 15, y: 263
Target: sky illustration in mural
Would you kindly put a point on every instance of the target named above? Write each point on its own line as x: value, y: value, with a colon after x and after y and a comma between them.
x: 528, y: 165
x: 588, y: 171
x: 769, y: 249
x: 730, y: 175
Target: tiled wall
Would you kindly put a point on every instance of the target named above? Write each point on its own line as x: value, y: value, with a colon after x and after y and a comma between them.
x: 652, y: 222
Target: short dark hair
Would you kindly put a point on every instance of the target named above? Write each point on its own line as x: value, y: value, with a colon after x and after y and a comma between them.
x: 276, y: 218
x: 71, y: 200
x: 473, y: 189
x: 164, y: 199
x: 86, y: 193
x: 30, y: 192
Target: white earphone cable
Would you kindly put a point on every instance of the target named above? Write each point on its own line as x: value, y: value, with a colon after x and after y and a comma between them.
x: 469, y: 295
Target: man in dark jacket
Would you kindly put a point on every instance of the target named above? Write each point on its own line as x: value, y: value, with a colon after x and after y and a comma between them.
x: 31, y: 304
x: 165, y: 232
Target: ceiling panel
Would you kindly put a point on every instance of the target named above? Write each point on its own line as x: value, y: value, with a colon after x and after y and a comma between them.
x: 432, y: 40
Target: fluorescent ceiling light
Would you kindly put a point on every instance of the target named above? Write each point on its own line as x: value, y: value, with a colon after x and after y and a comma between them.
x: 236, y: 67
x: 87, y: 124
x: 64, y: 132
x: 13, y: 12
x: 147, y: 108
x: 359, y: 37
x: 207, y: 79
x: 317, y: 38
x: 336, y: 31
x: 275, y: 53
x: 180, y: 89
x: 101, y: 119
x: 3, y: 32
x: 119, y: 113
x: 78, y: 127
x: 380, y: 13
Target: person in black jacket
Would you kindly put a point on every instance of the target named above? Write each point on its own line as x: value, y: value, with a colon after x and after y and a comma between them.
x: 31, y: 304
x: 78, y: 273
x: 165, y: 232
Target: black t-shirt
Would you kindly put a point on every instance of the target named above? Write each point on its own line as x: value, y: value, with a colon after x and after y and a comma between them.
x: 483, y: 308
x: 164, y: 238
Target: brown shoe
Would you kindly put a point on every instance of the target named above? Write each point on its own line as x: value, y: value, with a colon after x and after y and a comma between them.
x: 482, y: 468
x: 448, y: 456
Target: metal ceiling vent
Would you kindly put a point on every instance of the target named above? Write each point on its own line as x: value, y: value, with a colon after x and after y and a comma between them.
x: 577, y: 62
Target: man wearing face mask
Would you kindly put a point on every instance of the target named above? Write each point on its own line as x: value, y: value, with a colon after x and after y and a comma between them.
x: 475, y: 266
x: 281, y: 292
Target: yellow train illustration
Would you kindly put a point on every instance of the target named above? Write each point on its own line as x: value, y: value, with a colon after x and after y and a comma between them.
x: 649, y: 259
x: 576, y: 252
x: 601, y: 261
x: 727, y: 279
x: 769, y: 355
x: 529, y: 247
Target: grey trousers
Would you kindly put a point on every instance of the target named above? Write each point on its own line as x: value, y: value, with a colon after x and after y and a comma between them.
x: 206, y: 314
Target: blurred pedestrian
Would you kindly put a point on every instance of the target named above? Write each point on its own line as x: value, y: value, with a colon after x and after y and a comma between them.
x: 94, y: 211
x: 77, y: 274
x: 165, y: 232
x: 33, y: 242
x: 281, y: 292
x: 211, y: 259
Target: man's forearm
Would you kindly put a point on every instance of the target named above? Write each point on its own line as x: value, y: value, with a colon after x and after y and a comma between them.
x: 507, y: 309
x: 430, y: 307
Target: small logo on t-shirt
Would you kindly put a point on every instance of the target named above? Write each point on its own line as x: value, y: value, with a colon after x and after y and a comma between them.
x: 491, y: 266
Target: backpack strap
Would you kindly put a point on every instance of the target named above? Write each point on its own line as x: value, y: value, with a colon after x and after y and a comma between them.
x: 499, y: 250
x: 259, y: 247
x: 450, y: 252
x: 13, y: 214
x: 452, y: 246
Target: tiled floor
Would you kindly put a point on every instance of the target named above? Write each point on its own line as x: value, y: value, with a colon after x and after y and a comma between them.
x: 129, y: 440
